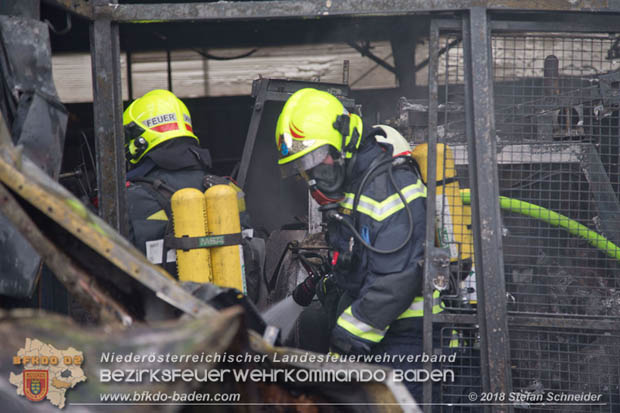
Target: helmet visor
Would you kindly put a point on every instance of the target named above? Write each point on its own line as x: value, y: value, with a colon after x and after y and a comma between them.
x: 306, y: 162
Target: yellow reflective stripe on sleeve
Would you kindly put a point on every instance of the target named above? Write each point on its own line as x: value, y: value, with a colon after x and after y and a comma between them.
x: 158, y: 216
x: 390, y: 205
x: 416, y: 309
x: 358, y: 328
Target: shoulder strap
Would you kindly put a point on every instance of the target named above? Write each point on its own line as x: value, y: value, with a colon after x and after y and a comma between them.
x: 372, y: 171
x: 160, y: 191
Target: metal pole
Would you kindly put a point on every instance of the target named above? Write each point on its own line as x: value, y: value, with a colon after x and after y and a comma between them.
x: 129, y: 77
x: 403, y: 50
x: 169, y: 68
x: 259, y: 104
x: 433, y: 98
x: 480, y: 130
x: 107, y: 107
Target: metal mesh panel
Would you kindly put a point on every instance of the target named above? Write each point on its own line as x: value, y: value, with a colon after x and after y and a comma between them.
x: 454, y: 230
x: 552, y: 366
x: 464, y: 342
x: 557, y: 131
x: 453, y: 216
x: 558, y: 143
x: 558, y: 139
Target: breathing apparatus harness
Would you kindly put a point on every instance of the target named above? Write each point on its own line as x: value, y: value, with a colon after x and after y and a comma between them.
x: 331, y: 210
x: 305, y: 291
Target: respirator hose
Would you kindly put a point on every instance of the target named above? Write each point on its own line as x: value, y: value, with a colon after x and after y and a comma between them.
x: 356, y: 234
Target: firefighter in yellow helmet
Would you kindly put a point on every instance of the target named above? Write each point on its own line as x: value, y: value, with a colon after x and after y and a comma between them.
x: 164, y: 155
x: 374, y: 205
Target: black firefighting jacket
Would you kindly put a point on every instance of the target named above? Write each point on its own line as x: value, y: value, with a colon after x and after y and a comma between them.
x: 384, y: 291
x: 178, y: 163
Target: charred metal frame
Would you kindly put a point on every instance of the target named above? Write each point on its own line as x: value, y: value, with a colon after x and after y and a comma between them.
x: 105, y: 16
x: 107, y: 108
x: 492, y: 318
x: 313, y: 8
x: 476, y: 25
x: 486, y: 220
x: 480, y: 133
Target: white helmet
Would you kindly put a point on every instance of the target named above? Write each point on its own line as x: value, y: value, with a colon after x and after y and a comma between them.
x: 394, y: 138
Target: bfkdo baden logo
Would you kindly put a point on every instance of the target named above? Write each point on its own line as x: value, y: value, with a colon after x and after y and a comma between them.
x: 47, y: 372
x: 35, y: 384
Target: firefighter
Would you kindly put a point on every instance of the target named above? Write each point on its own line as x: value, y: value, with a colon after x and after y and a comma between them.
x: 377, y: 242
x: 164, y: 155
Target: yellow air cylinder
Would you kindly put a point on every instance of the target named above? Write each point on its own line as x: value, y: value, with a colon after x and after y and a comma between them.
x: 452, y: 218
x: 223, y: 218
x: 189, y: 216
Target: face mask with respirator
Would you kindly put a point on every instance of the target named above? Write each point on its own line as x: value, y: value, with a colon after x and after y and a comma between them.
x: 326, y: 180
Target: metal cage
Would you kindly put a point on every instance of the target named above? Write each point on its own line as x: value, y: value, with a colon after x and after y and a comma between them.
x: 541, y: 324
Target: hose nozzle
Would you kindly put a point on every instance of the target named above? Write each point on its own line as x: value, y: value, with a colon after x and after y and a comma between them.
x: 304, y: 292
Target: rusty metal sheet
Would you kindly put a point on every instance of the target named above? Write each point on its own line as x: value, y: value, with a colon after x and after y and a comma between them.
x: 38, y: 121
x: 210, y: 334
x: 221, y: 333
x: 323, y: 8
x: 98, y: 302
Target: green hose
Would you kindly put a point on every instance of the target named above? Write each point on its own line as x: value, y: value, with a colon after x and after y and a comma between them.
x: 555, y: 219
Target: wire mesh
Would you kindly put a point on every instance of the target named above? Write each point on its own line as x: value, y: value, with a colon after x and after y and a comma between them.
x: 557, y: 134
x: 453, y: 215
x: 464, y: 343
x: 565, y: 370
x: 558, y: 148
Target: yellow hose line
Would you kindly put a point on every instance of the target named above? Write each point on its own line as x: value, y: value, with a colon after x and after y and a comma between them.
x: 557, y: 220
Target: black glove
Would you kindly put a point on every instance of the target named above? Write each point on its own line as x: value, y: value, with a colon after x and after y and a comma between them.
x: 329, y: 295
x: 325, y: 287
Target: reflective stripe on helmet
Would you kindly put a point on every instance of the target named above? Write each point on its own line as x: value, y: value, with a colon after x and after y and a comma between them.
x: 389, y: 206
x: 166, y: 127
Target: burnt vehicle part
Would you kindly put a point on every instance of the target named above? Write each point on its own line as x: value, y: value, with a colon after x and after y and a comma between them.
x: 206, y: 336
x: 37, y: 119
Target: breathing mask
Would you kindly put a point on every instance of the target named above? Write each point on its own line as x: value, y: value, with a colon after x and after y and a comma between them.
x: 323, y: 170
x: 325, y: 181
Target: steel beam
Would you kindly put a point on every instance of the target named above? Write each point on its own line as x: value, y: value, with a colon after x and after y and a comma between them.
x: 81, y: 8
x: 107, y: 107
x: 365, y: 52
x: 586, y: 324
x: 164, y: 12
x: 403, y: 50
x: 259, y: 92
x: 433, y: 103
x: 571, y: 23
x: 480, y: 131
x: 23, y: 8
